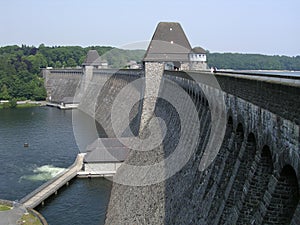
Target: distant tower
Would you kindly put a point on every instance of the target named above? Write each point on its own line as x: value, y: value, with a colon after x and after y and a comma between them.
x: 91, y: 62
x: 92, y: 59
x: 197, y: 58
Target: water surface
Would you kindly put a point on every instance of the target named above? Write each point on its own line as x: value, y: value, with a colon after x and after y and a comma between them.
x: 52, y: 148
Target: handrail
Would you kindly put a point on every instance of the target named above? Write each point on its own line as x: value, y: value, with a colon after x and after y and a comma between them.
x: 257, y: 74
x: 130, y: 72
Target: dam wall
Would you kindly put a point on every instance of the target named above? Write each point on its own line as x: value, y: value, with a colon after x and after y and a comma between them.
x: 61, y: 83
x: 254, y: 178
x: 103, y: 90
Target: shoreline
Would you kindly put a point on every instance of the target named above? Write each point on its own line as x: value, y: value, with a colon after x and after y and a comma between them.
x: 20, y: 214
x: 22, y: 104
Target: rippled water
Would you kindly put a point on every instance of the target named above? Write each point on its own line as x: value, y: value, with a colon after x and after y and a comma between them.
x: 52, y: 148
x: 84, y: 202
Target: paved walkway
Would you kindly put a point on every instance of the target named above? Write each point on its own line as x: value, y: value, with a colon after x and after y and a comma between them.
x: 39, y: 195
x: 11, y: 217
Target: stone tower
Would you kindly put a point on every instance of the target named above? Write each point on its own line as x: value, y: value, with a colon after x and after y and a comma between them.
x: 169, y: 47
x: 91, y: 62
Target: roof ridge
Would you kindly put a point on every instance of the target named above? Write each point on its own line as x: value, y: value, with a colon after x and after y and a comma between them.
x: 92, y: 58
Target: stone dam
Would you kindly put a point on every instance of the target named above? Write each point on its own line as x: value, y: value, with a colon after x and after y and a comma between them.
x: 251, y: 175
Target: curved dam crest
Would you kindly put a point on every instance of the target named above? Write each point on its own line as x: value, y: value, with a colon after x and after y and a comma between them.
x: 254, y: 178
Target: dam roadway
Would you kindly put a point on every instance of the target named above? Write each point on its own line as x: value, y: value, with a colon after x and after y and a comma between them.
x: 39, y: 195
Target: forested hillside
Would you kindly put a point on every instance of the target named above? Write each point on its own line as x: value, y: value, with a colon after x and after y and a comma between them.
x: 20, y: 67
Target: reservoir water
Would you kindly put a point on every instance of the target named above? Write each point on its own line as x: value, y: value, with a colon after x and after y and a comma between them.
x: 273, y: 72
x: 52, y: 147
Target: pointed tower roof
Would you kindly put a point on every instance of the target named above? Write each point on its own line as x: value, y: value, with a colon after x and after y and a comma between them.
x: 92, y: 59
x: 169, y: 43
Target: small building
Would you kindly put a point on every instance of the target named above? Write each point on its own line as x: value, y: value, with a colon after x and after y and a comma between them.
x: 197, y: 59
x: 103, y: 64
x: 133, y: 65
x: 69, y: 103
x: 92, y: 59
x: 103, y: 157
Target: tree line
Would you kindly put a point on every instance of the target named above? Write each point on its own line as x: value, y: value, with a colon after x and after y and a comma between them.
x: 20, y: 66
x: 237, y: 61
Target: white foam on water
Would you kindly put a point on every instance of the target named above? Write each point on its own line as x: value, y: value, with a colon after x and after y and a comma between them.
x: 44, y: 173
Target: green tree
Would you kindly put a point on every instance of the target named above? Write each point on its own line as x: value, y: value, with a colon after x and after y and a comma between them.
x: 81, y: 60
x: 4, y: 95
x: 71, y: 63
x: 13, y: 103
x: 58, y: 64
x: 37, y: 61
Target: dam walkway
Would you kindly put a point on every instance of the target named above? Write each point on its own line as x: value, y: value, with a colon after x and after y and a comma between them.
x: 39, y: 195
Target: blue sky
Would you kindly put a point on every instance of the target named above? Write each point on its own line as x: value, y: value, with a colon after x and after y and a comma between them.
x: 247, y: 26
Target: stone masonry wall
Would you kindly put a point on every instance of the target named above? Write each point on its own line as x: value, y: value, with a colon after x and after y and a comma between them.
x: 153, y: 76
x: 282, y: 100
x: 198, y: 66
x: 254, y: 178
x: 61, y: 83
